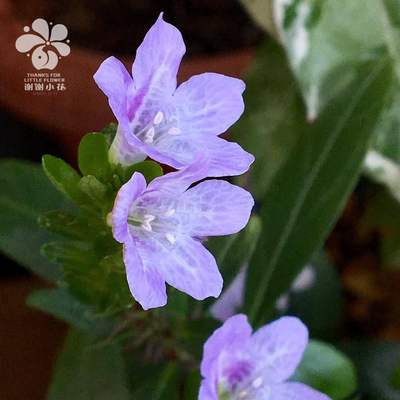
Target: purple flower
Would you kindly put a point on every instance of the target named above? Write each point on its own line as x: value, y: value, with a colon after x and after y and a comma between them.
x: 159, y: 226
x: 169, y: 124
x: 239, y: 365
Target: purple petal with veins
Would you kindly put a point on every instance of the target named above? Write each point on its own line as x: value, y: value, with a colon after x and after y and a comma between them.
x: 159, y: 225
x: 239, y: 365
x: 172, y: 125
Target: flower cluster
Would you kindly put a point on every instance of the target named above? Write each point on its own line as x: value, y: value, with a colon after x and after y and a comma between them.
x: 161, y: 225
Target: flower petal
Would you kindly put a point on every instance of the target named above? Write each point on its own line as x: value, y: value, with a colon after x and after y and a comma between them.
x: 293, y: 391
x: 231, y: 299
x: 234, y: 333
x: 278, y: 348
x: 185, y: 264
x: 178, y: 182
x: 122, y: 152
x: 41, y: 26
x: 125, y: 197
x: 208, y: 390
x: 215, y: 208
x: 58, y: 32
x: 114, y: 80
x: 225, y: 158
x: 209, y: 103
x: 158, y: 57
x: 146, y: 284
x: 62, y: 48
x: 27, y: 42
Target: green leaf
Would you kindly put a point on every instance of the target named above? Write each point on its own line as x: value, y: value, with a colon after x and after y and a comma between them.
x: 320, y: 306
x: 65, y: 224
x: 85, y: 371
x: 178, y: 303
x: 109, y: 132
x: 60, y: 303
x: 307, y: 194
x: 395, y: 381
x: 377, y: 363
x: 273, y: 112
x: 149, y: 169
x: 93, y: 156
x: 63, y: 177
x: 326, y: 40
x: 26, y: 193
x: 326, y: 369
x: 95, y: 190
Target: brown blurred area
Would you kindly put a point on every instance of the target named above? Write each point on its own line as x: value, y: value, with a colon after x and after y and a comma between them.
x: 219, y: 37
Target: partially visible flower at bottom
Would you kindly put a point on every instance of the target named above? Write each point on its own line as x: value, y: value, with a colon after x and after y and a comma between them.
x: 161, y: 225
x: 240, y: 365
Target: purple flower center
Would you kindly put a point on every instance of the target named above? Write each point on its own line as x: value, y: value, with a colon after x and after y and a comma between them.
x: 237, y: 373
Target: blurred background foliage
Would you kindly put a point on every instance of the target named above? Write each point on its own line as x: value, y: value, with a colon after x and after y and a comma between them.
x: 322, y: 118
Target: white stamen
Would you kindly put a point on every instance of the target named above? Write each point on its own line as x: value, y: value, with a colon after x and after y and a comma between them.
x: 148, y: 218
x: 149, y: 136
x: 146, y: 226
x: 170, y: 237
x: 170, y: 212
x: 257, y: 382
x: 158, y: 118
x: 242, y: 394
x: 174, y: 131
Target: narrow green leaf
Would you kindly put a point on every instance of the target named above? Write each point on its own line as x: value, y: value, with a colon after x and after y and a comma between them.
x: 273, y: 112
x: 63, y: 177
x: 320, y: 306
x: 60, y: 303
x: 328, y: 370
x: 85, y: 371
x: 26, y: 193
x: 65, y: 224
x: 93, y: 156
x: 299, y: 208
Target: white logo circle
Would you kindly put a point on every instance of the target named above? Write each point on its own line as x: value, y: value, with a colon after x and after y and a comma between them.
x: 48, y: 43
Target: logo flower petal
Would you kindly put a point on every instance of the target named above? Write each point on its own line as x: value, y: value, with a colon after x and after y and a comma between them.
x: 58, y: 32
x: 44, y: 58
x: 27, y: 42
x: 62, y: 48
x: 41, y: 27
